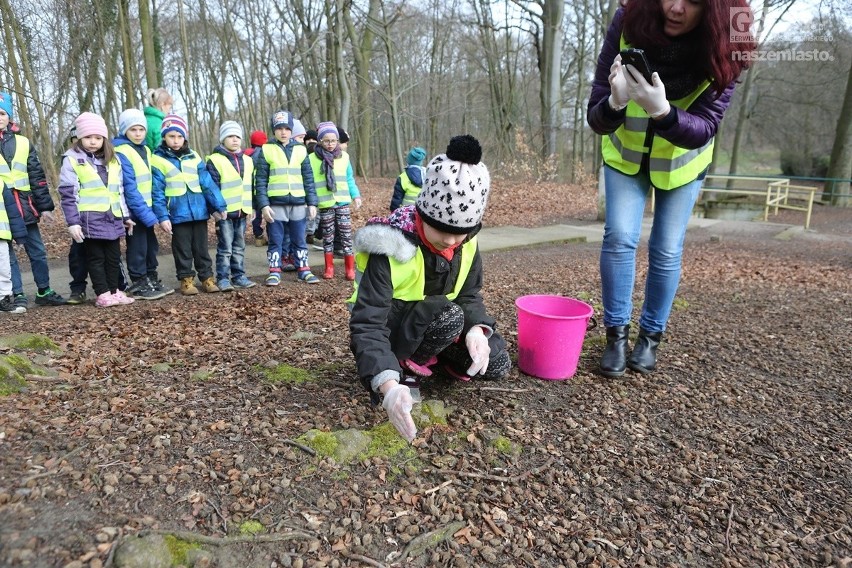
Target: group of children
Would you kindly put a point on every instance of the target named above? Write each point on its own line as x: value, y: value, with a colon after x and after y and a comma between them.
x: 117, y: 188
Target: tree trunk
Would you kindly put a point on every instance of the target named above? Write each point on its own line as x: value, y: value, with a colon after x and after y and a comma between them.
x: 840, y: 166
x: 551, y: 72
x: 149, y: 55
x: 393, y: 96
x: 127, y: 57
x: 187, y: 69
x: 363, y: 57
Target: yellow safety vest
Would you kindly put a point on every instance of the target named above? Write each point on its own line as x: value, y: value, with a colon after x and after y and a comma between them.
x: 409, y: 278
x: 670, y: 166
x: 285, y: 177
x: 177, y: 181
x: 236, y: 190
x: 411, y: 190
x: 5, y: 226
x: 341, y: 189
x: 93, y: 194
x: 15, y: 174
x: 142, y: 170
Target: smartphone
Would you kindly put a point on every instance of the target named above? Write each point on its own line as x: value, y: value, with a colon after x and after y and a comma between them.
x: 636, y: 58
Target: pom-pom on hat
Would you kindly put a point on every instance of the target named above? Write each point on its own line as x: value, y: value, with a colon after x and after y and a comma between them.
x: 455, y: 190
x: 281, y: 119
x: 258, y: 138
x: 89, y: 124
x: 230, y: 128
x: 311, y: 135
x: 298, y: 128
x: 174, y: 123
x: 343, y: 135
x: 130, y: 118
x: 6, y: 103
x: 324, y: 128
x: 415, y: 156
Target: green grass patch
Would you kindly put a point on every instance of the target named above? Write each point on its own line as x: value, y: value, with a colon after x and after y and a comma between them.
x: 252, y: 528
x: 323, y: 443
x: 386, y: 442
x: 680, y: 304
x: 29, y: 342
x: 286, y: 374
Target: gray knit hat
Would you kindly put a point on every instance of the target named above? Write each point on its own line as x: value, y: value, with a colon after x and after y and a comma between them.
x: 456, y: 187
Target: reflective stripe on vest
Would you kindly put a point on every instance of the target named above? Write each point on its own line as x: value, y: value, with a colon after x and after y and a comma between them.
x: 178, y: 180
x: 409, y: 278
x: 5, y: 226
x: 141, y: 170
x: 285, y: 176
x: 93, y: 194
x: 341, y: 194
x: 669, y: 166
x: 15, y: 174
x: 235, y: 190
x: 411, y: 190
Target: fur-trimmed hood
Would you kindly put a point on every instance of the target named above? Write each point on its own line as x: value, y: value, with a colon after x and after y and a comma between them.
x: 394, y: 235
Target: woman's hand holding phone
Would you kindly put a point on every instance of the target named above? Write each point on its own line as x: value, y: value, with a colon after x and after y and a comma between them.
x: 619, y: 96
x: 650, y: 96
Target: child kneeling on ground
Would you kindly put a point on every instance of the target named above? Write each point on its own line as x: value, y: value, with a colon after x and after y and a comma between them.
x: 417, y: 300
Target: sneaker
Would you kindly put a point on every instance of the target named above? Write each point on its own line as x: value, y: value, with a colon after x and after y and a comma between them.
x: 287, y: 265
x: 243, y: 282
x: 137, y: 285
x: 7, y: 304
x: 449, y: 370
x: 261, y: 241
x: 106, y: 300
x: 21, y: 301
x: 77, y: 298
x: 49, y: 298
x: 418, y: 369
x: 158, y: 285
x: 317, y: 246
x: 308, y: 277
x: 122, y: 298
x: 224, y: 285
x: 148, y: 292
x: 274, y: 279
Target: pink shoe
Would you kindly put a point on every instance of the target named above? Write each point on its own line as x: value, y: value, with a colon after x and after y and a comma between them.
x: 450, y: 372
x: 106, y: 300
x: 122, y: 298
x: 419, y: 370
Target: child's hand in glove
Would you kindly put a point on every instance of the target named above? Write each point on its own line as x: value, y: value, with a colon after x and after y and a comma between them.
x: 479, y: 350
x: 76, y: 232
x: 398, y: 404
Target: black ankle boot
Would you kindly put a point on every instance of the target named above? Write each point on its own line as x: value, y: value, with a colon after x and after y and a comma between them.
x: 614, y: 358
x: 643, y: 358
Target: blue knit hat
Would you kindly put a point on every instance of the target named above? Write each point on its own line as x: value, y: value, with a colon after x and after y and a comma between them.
x: 6, y: 103
x: 415, y: 156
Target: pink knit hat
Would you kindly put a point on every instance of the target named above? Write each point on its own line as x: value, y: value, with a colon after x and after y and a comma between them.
x: 89, y: 123
x: 174, y: 123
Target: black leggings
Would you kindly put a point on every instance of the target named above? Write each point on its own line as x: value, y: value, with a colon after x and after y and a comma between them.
x: 103, y: 257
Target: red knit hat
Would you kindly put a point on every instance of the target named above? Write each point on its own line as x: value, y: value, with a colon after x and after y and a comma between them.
x: 258, y: 138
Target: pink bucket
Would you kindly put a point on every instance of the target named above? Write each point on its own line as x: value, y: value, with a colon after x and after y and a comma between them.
x: 551, y: 330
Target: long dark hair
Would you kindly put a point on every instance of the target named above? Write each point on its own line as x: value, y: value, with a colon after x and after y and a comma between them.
x: 106, y: 153
x: 643, y: 26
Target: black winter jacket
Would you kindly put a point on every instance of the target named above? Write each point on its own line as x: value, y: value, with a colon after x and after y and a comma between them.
x: 261, y: 180
x: 39, y: 197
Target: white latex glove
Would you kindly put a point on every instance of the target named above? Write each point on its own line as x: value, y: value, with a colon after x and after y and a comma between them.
x: 619, y: 97
x: 477, y: 346
x: 398, y: 404
x: 128, y: 226
x: 218, y: 216
x: 357, y: 202
x: 650, y: 96
x: 166, y: 226
x: 267, y: 214
x: 312, y: 212
x: 76, y: 232
x: 48, y: 216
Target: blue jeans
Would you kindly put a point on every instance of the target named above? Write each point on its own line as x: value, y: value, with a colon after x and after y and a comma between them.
x: 231, y: 248
x: 625, y: 206
x: 38, y: 261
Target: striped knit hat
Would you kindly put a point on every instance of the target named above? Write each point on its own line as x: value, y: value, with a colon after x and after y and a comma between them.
x: 174, y: 123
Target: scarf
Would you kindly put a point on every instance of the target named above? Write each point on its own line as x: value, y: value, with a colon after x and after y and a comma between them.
x: 327, y: 158
x: 680, y: 64
x: 446, y: 253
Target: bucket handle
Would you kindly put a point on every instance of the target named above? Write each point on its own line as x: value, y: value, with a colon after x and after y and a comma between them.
x: 593, y: 323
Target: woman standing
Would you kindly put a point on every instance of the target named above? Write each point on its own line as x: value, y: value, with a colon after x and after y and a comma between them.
x: 659, y: 134
x: 159, y: 105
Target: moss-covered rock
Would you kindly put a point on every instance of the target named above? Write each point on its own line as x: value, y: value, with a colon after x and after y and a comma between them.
x: 323, y: 443
x: 351, y: 443
x: 14, y: 369
x: 151, y: 551
x: 29, y: 342
x: 286, y: 374
x: 429, y: 413
x: 161, y: 368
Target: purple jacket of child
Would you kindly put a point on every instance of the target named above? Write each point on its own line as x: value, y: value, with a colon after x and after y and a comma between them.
x: 687, y: 129
x: 96, y: 225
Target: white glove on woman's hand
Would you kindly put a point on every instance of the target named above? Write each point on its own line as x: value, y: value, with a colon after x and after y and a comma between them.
x: 398, y: 404
x: 76, y: 232
x: 619, y: 97
x: 650, y: 96
x: 479, y: 350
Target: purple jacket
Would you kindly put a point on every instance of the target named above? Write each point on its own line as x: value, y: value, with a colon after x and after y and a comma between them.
x: 688, y: 129
x: 95, y: 225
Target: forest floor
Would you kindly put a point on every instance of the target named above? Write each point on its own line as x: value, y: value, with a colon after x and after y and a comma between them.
x: 166, y: 416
